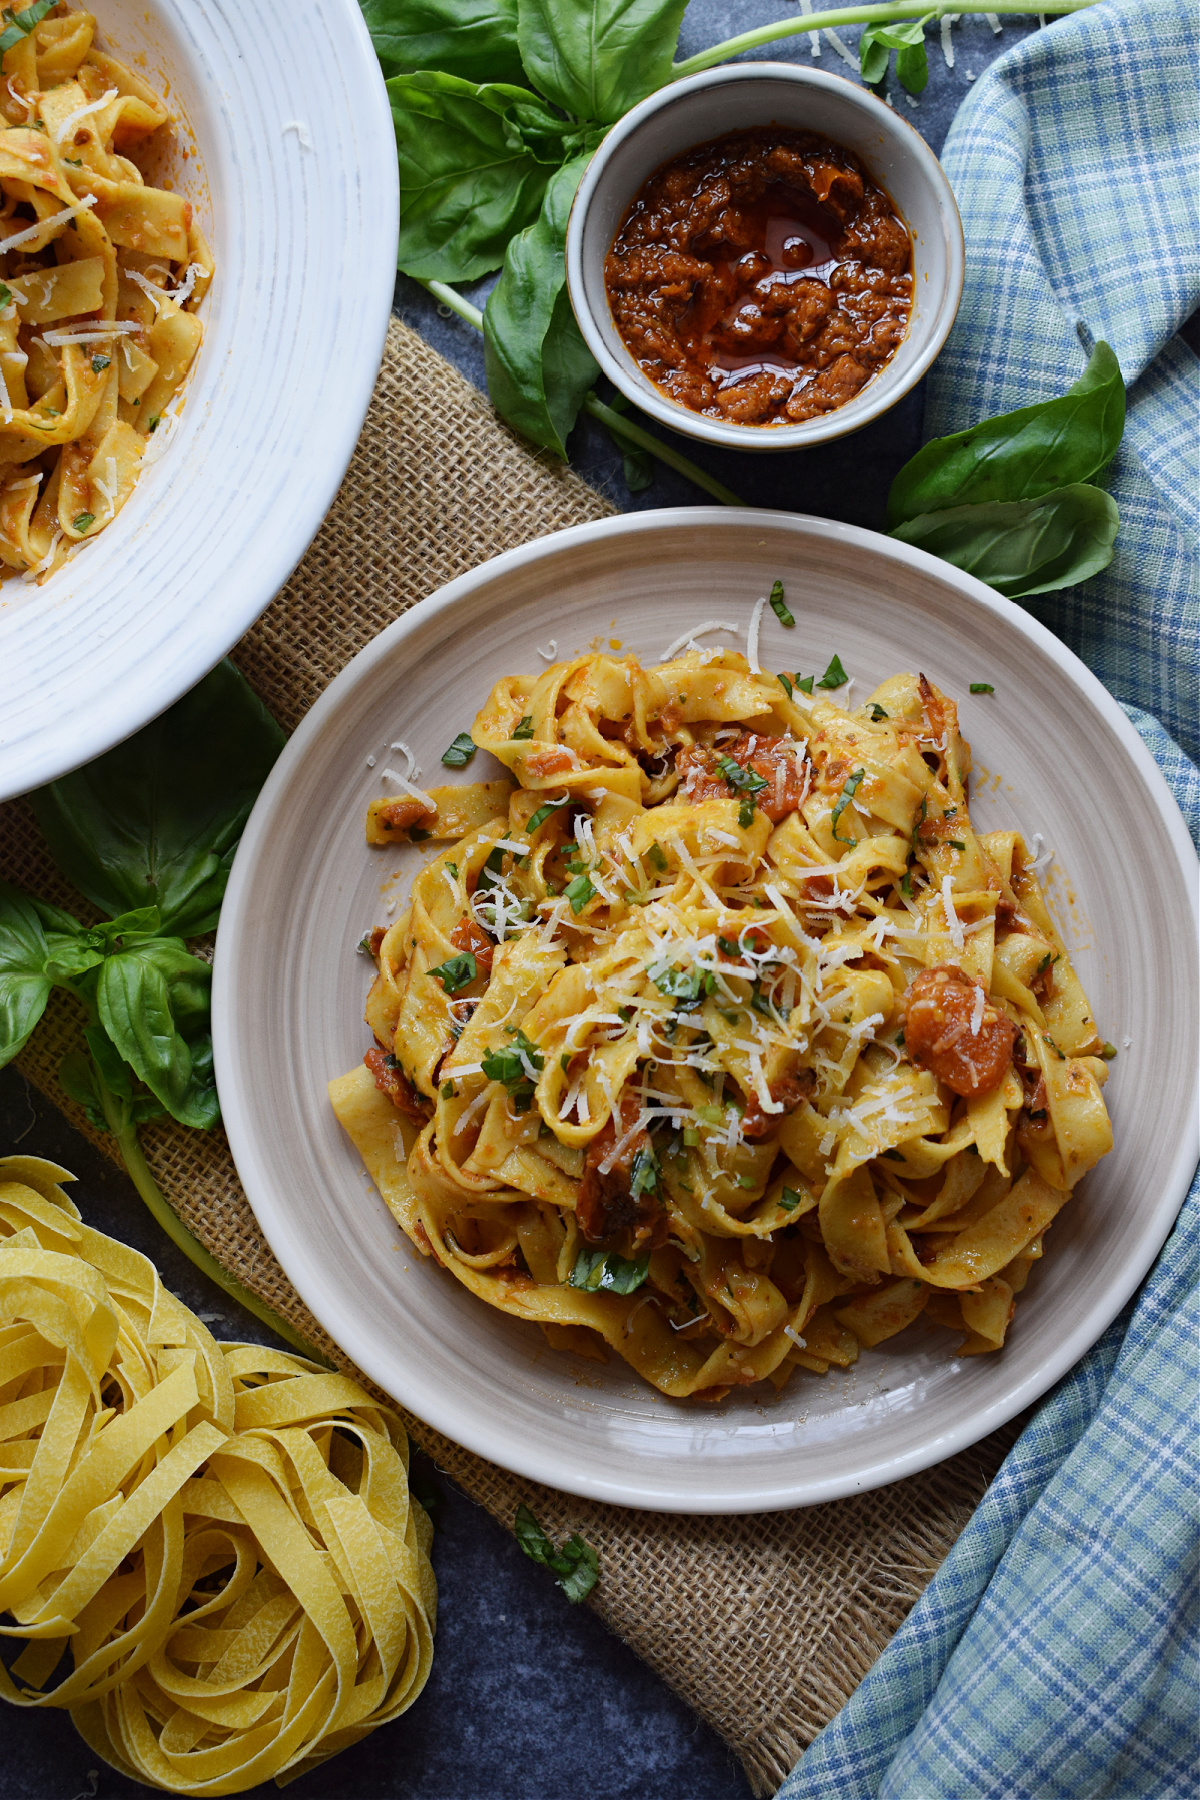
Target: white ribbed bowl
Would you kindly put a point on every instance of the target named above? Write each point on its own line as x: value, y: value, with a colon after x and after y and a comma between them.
x: 305, y: 247
x: 1053, y: 753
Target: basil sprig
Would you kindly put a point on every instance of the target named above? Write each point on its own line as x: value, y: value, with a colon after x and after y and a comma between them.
x: 147, y: 833
x: 1012, y: 500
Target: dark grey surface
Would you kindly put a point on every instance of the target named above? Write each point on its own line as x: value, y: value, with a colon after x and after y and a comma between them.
x: 530, y: 1698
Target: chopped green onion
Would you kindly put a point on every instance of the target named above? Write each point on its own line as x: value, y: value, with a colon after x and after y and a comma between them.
x: 460, y: 752
x: 778, y: 607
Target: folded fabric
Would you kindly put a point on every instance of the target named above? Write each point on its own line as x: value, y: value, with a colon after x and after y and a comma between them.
x: 1052, y: 1657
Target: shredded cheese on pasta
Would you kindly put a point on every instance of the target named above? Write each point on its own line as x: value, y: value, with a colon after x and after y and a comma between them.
x: 723, y: 1005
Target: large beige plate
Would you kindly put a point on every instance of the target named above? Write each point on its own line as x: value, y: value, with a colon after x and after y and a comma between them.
x: 1061, y: 759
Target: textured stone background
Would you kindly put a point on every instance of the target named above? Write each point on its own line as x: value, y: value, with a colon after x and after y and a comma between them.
x: 530, y: 1698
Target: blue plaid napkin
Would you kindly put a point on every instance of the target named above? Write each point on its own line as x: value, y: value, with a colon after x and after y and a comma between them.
x: 1052, y: 1657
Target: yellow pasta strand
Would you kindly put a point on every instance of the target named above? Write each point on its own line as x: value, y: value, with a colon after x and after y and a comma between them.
x: 209, y: 1549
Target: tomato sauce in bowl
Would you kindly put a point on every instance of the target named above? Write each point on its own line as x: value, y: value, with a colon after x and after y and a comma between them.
x: 761, y: 278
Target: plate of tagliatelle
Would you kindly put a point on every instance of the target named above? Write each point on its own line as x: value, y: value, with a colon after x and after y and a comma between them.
x: 777, y: 960
x: 197, y: 259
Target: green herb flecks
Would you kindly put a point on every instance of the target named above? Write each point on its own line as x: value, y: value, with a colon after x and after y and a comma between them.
x: 83, y: 521
x: 576, y: 1567
x: 1108, y: 1051
x: 546, y: 811
x: 516, y: 1066
x: 460, y: 752
x: 877, y: 712
x: 678, y: 984
x: 21, y: 24
x: 457, y: 972
x: 744, y: 781
x: 848, y: 792
x: 523, y: 729
x: 604, y: 1271
x: 786, y: 685
x: 579, y: 891
x: 100, y: 363
x: 982, y: 687
x: 835, y: 676
x: 778, y: 605
x: 804, y: 683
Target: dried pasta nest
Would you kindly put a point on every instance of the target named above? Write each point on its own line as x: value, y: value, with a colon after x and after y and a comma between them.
x: 209, y: 1549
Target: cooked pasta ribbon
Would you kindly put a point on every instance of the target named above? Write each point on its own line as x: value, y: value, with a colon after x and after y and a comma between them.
x: 209, y: 1549
x: 719, y: 1037
x: 100, y: 277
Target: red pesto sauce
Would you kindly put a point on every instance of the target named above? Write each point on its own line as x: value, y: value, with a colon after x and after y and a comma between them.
x: 762, y: 278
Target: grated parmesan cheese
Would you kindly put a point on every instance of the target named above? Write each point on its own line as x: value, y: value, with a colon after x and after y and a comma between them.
x: 752, y: 634
x: 688, y: 637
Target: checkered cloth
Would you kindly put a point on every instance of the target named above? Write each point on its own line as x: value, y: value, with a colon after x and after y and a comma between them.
x: 1052, y: 1657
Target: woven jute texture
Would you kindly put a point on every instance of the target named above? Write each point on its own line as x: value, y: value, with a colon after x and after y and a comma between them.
x: 765, y: 1624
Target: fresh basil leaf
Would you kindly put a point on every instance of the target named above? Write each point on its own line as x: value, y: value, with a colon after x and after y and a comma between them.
x: 547, y: 811
x: 576, y: 1569
x: 22, y: 23
x: 849, y: 789
x: 476, y: 39
x: 538, y: 366
x: 597, y: 58
x: 523, y: 729
x: 156, y: 821
x: 153, y: 1004
x: 605, y: 1271
x: 676, y: 984
x: 1019, y: 455
x: 472, y: 174
x: 24, y: 984
x: 579, y: 892
x: 905, y: 36
x: 460, y: 751
x: 1023, y: 547
x: 457, y: 972
x: 77, y: 1078
x: 834, y: 677
x: 779, y: 605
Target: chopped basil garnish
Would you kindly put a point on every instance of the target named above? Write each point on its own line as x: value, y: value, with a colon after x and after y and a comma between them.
x: 778, y: 607
x: 525, y: 728
x: 22, y: 23
x: 417, y: 834
x: 460, y: 752
x: 892, y: 1155
x: 605, y: 1271
x: 982, y: 687
x: 99, y: 364
x: 449, y: 1091
x: 154, y: 421
x: 1108, y: 1051
x: 786, y: 685
x: 544, y: 812
x: 5, y: 295
x: 643, y: 1176
x: 956, y: 843
x: 656, y: 856
x: 511, y: 1066
x: 576, y: 1567
x: 579, y: 892
x: 453, y: 869
x: 847, y: 794
x: 677, y: 984
x: 877, y: 712
x: 746, y: 782
x: 805, y: 684
x: 83, y: 521
x: 457, y: 972
x: 835, y: 676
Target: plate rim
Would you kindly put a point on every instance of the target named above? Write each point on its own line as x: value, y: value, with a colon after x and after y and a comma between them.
x: 445, y: 1413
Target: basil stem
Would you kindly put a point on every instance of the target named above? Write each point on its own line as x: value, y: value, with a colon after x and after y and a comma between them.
x: 805, y: 24
x: 615, y: 421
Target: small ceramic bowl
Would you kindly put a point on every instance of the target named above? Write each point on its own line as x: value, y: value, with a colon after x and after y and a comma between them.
x: 734, y: 98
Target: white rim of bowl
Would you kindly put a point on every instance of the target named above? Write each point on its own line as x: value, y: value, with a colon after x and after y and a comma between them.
x: 180, y: 657
x: 302, y: 1262
x: 846, y: 419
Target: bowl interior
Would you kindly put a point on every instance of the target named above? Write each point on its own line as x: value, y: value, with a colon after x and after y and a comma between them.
x: 284, y: 146
x: 708, y: 106
x: 1053, y: 754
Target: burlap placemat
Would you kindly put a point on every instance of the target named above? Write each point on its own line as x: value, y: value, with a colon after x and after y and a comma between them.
x: 764, y: 1624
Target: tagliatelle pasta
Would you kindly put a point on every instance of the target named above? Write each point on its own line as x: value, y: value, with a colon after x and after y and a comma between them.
x: 210, y: 1549
x: 719, y: 1037
x: 100, y: 276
